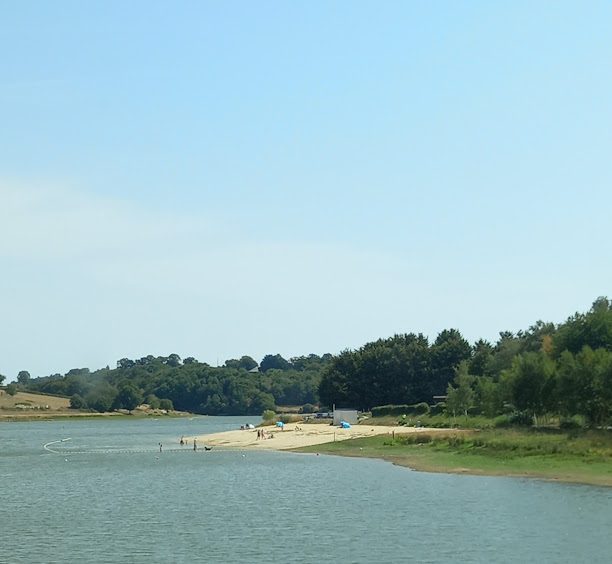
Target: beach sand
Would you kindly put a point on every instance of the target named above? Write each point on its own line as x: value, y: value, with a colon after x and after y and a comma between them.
x: 297, y: 435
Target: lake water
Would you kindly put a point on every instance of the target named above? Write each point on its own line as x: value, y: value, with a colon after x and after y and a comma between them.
x: 108, y: 495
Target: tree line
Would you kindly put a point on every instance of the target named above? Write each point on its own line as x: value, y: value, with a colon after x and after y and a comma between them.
x: 563, y: 370
x: 242, y: 386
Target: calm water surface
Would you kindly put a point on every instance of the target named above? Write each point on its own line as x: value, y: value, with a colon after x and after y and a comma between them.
x: 108, y: 495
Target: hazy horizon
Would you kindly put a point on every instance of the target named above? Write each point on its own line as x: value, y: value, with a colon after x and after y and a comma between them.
x: 217, y: 180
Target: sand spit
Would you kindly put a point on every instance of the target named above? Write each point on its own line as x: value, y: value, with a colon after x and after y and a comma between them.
x: 297, y: 435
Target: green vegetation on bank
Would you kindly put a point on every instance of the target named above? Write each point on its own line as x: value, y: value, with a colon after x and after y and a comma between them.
x: 561, y: 370
x: 584, y: 457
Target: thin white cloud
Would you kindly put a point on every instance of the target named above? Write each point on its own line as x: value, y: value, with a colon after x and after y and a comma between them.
x: 94, y: 279
x: 55, y: 222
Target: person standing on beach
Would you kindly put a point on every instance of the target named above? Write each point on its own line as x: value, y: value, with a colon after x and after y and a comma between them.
x: 194, y: 445
x: 160, y: 447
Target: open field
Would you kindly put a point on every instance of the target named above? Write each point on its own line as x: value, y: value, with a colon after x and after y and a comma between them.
x: 25, y: 404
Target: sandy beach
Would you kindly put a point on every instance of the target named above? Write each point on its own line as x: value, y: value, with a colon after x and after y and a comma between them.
x: 297, y: 435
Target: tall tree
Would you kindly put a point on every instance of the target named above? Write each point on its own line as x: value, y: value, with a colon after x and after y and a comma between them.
x: 460, y: 396
x: 508, y: 346
x: 128, y: 397
x: 584, y: 384
x: 244, y: 363
x: 592, y: 329
x: 448, y: 351
x: 531, y: 381
x: 23, y: 377
x: 271, y: 361
x: 482, y: 353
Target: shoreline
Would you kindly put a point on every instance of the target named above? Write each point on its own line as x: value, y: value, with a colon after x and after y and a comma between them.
x: 295, y: 436
x: 15, y: 417
x: 377, y: 442
x: 424, y: 466
x: 368, y: 441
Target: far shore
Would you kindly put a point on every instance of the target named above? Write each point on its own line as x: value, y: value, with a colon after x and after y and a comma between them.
x: 42, y: 415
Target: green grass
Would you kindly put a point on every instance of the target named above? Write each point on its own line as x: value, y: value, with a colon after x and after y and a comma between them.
x: 584, y: 457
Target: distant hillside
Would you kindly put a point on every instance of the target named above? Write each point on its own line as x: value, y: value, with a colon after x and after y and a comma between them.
x: 25, y: 402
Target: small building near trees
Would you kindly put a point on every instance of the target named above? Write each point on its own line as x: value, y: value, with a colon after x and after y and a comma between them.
x: 349, y: 415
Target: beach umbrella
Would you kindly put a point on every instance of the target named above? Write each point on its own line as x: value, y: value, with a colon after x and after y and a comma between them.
x: 280, y: 424
x: 345, y: 425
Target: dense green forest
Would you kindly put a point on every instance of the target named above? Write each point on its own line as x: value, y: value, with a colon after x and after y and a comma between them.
x: 241, y: 386
x: 563, y: 370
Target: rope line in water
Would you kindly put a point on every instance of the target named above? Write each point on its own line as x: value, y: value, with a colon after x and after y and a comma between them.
x: 64, y: 452
x: 46, y: 445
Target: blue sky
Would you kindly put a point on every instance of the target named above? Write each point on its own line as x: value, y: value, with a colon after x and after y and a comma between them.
x: 225, y: 178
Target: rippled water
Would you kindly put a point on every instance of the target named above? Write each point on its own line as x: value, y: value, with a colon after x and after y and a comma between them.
x: 110, y: 496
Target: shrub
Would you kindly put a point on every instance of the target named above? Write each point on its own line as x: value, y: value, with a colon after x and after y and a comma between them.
x: 382, y: 410
x: 166, y: 404
x: 152, y: 401
x: 521, y: 418
x: 455, y: 441
x: 268, y: 415
x: 307, y: 408
x: 11, y: 389
x: 290, y: 418
x: 77, y: 402
x: 416, y: 409
x: 416, y: 439
x: 502, y: 421
x: 574, y: 422
x: 437, y: 409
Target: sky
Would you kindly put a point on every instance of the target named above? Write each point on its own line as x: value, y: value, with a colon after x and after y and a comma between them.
x: 215, y: 179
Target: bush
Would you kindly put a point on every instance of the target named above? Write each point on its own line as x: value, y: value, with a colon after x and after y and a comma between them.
x: 290, y: 418
x: 382, y: 410
x: 455, y: 441
x: 518, y: 418
x: 438, y: 409
x: 307, y: 408
x: 521, y: 418
x: 574, y: 422
x: 268, y: 415
x: 415, y: 439
x: 421, y: 408
x: 502, y: 421
x: 416, y: 409
x: 166, y: 404
x: 152, y: 401
x: 77, y: 402
x: 11, y: 389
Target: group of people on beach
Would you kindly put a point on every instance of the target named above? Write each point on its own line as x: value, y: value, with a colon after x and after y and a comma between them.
x: 263, y: 434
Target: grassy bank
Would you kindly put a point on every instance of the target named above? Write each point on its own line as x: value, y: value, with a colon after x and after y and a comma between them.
x: 584, y: 457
